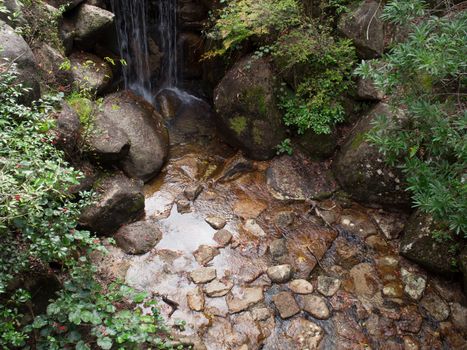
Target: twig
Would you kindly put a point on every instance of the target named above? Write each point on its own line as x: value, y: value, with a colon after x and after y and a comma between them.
x: 371, y: 20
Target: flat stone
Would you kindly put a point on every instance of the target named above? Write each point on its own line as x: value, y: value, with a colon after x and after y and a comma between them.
x: 253, y: 228
x: 192, y: 192
x: 414, y: 284
x: 280, y: 273
x: 278, y: 248
x: 195, y: 299
x: 328, y: 286
x: 286, y: 304
x: 261, y: 314
x: 217, y: 288
x: 393, y: 289
x: 301, y: 286
x: 205, y: 254
x: 223, y: 237
x: 357, y: 222
x: 183, y: 206
x: 410, y: 320
x: 435, y: 306
x: 316, y: 306
x: 216, y: 222
x: 138, y: 238
x: 306, y: 334
x: 284, y: 218
x: 203, y: 275
x: 243, y: 300
x: 248, y: 208
x: 364, y: 279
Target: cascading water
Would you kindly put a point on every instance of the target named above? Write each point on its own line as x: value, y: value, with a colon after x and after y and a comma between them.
x: 131, y: 23
x: 168, y: 37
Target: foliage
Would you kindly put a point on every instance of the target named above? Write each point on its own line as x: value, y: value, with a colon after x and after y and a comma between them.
x: 285, y: 147
x: 320, y: 67
x: 38, y: 225
x: 243, y: 19
x: 426, y: 76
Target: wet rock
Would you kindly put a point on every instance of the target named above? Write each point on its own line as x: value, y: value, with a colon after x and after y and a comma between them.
x: 183, y: 206
x: 278, y: 248
x: 121, y: 201
x: 377, y: 243
x: 245, y: 298
x: 459, y: 316
x: 328, y: 286
x: 364, y: 279
x: 247, y: 109
x: 316, y: 307
x: 192, y: 192
x: 306, y: 334
x: 216, y: 222
x: 248, y: 208
x: 410, y: 343
x: 261, y: 314
x: 192, y: 46
x: 205, y: 254
x: 410, y: 320
x: 419, y: 245
x: 217, y: 288
x: 195, y: 299
x: 14, y: 48
x: 297, y: 178
x: 236, y: 167
x: 90, y: 72
x: 391, y: 225
x: 301, y: 286
x: 357, y: 222
x: 286, y: 304
x: 393, y: 289
x: 361, y: 170
x: 347, y: 252
x: 223, y: 237
x: 203, y: 275
x: 435, y: 306
x: 145, y: 130
x: 365, y: 27
x: 88, y: 24
x: 284, y: 219
x: 414, y: 285
x: 317, y: 146
x: 68, y: 130
x: 252, y: 227
x: 280, y: 273
x: 138, y: 238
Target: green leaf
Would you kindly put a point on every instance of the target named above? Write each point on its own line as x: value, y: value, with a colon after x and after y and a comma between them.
x: 105, y: 343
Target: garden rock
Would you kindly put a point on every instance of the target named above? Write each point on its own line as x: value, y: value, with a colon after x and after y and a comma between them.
x: 138, y: 238
x: 90, y: 72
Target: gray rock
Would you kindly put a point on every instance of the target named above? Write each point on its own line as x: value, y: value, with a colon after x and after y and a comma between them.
x: 328, y: 286
x: 284, y: 218
x: 301, y: 286
x: 120, y: 202
x: 316, y: 307
x: 68, y: 130
x: 49, y: 61
x: 138, y: 238
x: 252, y: 227
x: 15, y: 49
x: 90, y: 72
x: 361, y: 170
x: 68, y: 4
x: 317, y: 146
x: 217, y: 288
x: 192, y: 192
x: 435, y: 306
x: 203, y: 275
x: 286, y: 304
x: 244, y: 299
x: 419, y: 245
x: 14, y: 16
x: 366, y: 90
x: 205, y: 254
x: 216, y: 222
x: 414, y: 285
x: 261, y: 314
x: 247, y: 109
x: 89, y: 23
x: 278, y: 248
x: 195, y: 299
x: 223, y: 237
x: 143, y: 126
x: 183, y: 206
x: 280, y: 273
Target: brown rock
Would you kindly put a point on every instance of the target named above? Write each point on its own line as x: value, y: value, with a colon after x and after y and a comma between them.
x: 205, y: 254
x: 286, y: 304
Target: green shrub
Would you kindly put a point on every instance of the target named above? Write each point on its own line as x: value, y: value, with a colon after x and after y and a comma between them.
x: 426, y: 76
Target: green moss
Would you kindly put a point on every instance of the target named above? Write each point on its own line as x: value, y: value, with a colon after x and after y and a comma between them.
x: 238, y: 124
x: 255, y: 99
x: 83, y: 107
x: 257, y: 135
x: 358, y: 139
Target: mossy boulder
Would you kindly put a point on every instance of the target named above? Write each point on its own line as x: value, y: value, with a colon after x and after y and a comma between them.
x: 419, y: 244
x: 362, y: 171
x: 90, y: 72
x: 15, y: 51
x: 246, y: 107
x: 317, y: 146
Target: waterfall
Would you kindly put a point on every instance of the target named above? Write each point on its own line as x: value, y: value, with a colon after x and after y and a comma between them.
x: 168, y: 38
x: 131, y: 25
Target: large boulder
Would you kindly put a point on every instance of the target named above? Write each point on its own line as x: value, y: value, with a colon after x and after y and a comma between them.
x: 120, y: 201
x: 144, y: 128
x: 49, y: 61
x: 138, y: 238
x: 419, y: 244
x: 68, y: 130
x: 67, y: 4
x: 13, y: 48
x: 364, y: 26
x: 247, y: 110
x: 90, y: 72
x: 13, y: 15
x: 362, y: 171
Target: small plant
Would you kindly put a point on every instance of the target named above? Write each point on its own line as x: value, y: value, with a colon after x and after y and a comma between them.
x: 285, y: 147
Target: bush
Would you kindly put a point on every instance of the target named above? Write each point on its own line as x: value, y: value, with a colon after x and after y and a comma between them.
x: 426, y: 77
x: 38, y: 225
